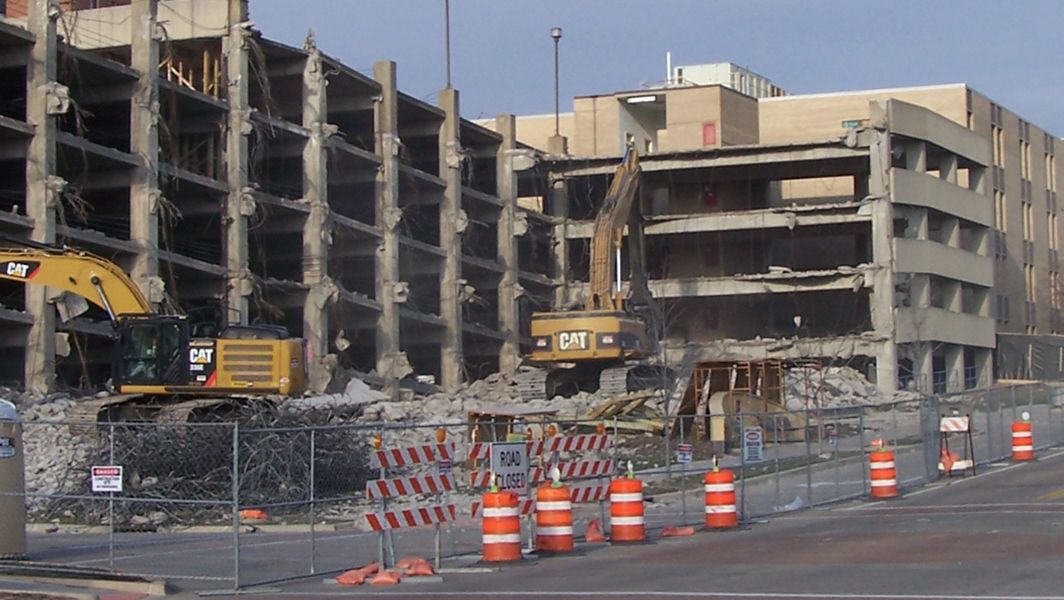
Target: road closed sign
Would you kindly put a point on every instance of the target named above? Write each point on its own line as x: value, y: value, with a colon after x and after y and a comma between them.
x: 509, y: 462
x: 107, y: 479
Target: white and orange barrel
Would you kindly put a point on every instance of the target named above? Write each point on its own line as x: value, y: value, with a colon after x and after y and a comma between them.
x: 501, y: 527
x: 882, y: 474
x: 720, y: 499
x: 554, y: 518
x: 626, y: 511
x: 1022, y: 441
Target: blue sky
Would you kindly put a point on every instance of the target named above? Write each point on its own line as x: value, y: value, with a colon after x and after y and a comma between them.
x: 502, y: 57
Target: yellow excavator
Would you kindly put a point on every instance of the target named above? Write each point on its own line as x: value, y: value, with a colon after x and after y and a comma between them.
x: 160, y: 371
x: 599, y: 348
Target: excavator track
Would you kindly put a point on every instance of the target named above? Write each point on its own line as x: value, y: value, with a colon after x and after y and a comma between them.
x: 614, y: 380
x: 532, y: 383
x: 102, y: 410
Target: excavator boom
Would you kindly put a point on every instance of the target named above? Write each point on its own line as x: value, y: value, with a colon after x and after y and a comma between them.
x: 96, y: 279
x: 608, y: 232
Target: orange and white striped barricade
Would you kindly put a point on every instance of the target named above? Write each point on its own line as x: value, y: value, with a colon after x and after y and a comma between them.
x: 385, y: 488
x: 950, y: 462
x: 1022, y: 440
x: 882, y: 473
x: 554, y: 518
x: 583, y: 475
x: 501, y: 527
x: 627, y: 522
x: 720, y: 499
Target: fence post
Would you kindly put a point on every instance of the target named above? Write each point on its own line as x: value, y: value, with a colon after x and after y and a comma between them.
x: 742, y: 469
x: 683, y: 475
x: 865, y: 485
x: 987, y: 403
x: 111, y: 500
x: 809, y: 461
x: 313, y: 512
x: 929, y: 436
x: 236, y: 506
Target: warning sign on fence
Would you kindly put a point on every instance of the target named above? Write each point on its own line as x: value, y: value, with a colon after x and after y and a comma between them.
x: 107, y: 479
x: 684, y: 453
x: 753, y: 444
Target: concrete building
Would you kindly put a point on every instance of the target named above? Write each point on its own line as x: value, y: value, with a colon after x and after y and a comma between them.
x: 910, y: 232
x: 729, y: 75
x: 242, y: 180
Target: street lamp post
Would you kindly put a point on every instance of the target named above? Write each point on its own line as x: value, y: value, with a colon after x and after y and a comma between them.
x: 556, y: 35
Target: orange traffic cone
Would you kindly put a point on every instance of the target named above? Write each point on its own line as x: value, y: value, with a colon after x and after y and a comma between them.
x: 594, y: 533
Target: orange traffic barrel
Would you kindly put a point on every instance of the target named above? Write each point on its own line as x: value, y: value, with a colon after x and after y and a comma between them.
x: 1022, y: 441
x: 882, y: 474
x: 554, y: 519
x: 501, y: 527
x: 626, y: 511
x: 720, y: 499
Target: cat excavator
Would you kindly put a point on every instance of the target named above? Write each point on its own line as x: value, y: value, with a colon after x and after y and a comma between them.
x: 604, y: 346
x: 159, y: 369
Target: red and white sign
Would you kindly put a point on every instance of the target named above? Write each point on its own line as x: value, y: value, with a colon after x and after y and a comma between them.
x: 954, y: 424
x: 409, y: 486
x: 107, y: 479
x: 411, y: 517
x: 571, y: 443
x: 414, y: 455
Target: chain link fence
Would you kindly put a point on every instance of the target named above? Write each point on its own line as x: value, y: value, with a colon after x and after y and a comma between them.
x: 234, y: 506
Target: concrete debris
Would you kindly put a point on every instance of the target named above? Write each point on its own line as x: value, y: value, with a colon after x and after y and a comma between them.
x: 356, y: 393
x: 834, y: 387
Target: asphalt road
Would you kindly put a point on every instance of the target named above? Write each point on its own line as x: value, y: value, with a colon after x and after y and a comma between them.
x: 999, y: 535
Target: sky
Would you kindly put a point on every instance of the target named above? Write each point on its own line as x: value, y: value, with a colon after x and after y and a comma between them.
x: 502, y: 55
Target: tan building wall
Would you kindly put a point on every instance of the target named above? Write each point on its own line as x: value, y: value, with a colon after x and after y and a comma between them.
x: 822, y: 116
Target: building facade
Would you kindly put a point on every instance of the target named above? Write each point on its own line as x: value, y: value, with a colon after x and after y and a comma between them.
x: 897, y: 230
x: 241, y: 180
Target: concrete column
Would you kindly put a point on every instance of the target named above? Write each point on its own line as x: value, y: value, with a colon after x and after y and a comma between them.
x: 923, y: 366
x: 452, y: 224
x: 984, y: 366
x: 391, y: 363
x: 558, y: 206
x: 920, y: 290
x: 947, y: 168
x: 953, y: 296
x: 506, y: 178
x: 882, y: 298
x: 317, y: 230
x: 951, y: 231
x: 916, y: 219
x: 238, y: 205
x: 42, y: 188
x: 916, y: 156
x: 954, y: 368
x: 144, y: 194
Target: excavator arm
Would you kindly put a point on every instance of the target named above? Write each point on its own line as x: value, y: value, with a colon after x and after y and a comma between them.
x: 98, y: 280
x: 609, y: 231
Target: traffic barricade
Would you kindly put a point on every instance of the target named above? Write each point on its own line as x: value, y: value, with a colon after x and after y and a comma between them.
x: 950, y: 462
x: 882, y: 472
x: 720, y: 499
x: 584, y: 476
x: 627, y: 521
x: 1022, y: 439
x: 501, y: 526
x: 436, y: 484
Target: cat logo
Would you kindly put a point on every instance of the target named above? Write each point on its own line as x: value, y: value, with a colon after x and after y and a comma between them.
x: 16, y: 269
x: 201, y: 356
x: 573, y: 340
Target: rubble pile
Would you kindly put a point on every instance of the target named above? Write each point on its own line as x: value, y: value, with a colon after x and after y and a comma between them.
x: 835, y: 387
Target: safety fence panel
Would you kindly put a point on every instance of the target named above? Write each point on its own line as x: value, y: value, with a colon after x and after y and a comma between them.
x: 225, y: 498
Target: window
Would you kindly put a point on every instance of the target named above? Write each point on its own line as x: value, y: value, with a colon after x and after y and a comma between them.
x: 999, y: 210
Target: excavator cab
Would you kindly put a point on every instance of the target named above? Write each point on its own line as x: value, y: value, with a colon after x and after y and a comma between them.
x: 151, y: 351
